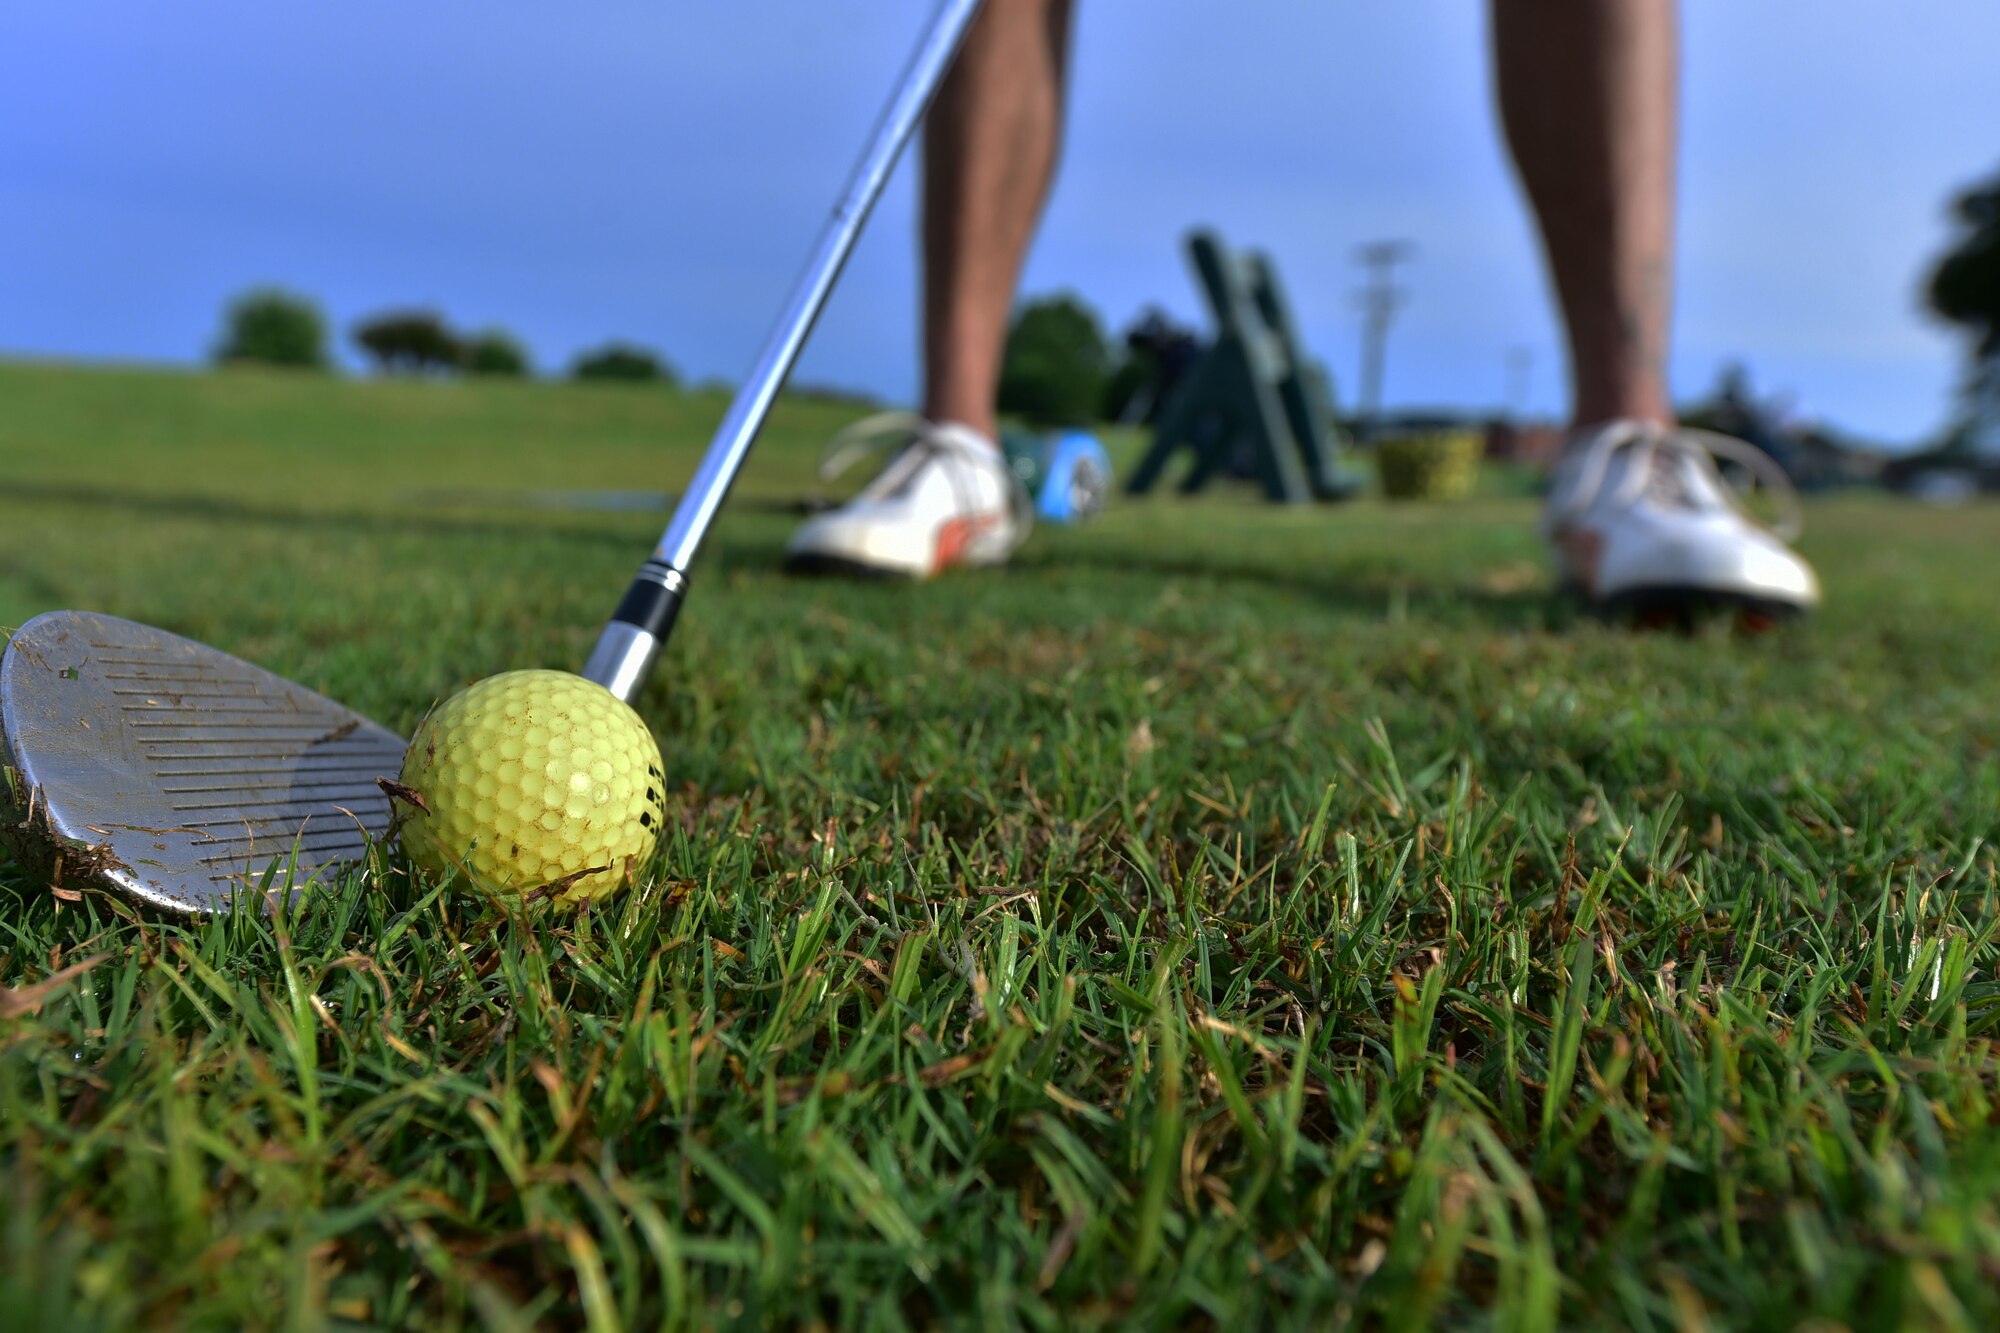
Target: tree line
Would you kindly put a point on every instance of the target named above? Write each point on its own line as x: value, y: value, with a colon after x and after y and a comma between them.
x: 273, y: 327
x: 1059, y: 368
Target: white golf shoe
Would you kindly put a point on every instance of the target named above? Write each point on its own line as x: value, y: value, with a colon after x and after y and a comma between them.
x: 946, y: 497
x: 1643, y: 523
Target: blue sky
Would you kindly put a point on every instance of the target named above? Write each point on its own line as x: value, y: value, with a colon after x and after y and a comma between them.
x: 657, y: 172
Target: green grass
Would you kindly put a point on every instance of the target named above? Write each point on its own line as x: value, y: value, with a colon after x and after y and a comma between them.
x: 1225, y: 914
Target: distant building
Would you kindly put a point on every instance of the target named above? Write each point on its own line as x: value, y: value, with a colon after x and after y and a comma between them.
x: 1532, y: 442
x: 1823, y: 458
x: 1967, y: 462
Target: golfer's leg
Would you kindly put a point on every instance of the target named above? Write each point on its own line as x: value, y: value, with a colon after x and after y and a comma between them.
x: 1587, y: 91
x: 1587, y: 96
x: 948, y: 498
x: 989, y: 155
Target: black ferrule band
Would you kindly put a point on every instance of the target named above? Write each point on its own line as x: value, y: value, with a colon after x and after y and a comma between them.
x: 654, y: 599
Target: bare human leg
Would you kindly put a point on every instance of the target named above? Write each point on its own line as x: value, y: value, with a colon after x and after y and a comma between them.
x: 1587, y: 92
x: 990, y: 146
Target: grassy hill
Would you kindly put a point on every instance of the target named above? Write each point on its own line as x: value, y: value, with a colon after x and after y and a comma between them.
x: 1224, y: 913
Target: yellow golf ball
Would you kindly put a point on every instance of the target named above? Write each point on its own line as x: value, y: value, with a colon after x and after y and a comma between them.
x: 529, y: 779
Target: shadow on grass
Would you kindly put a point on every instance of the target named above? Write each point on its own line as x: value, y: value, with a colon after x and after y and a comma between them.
x: 223, y: 509
x: 401, y: 517
x: 1367, y: 594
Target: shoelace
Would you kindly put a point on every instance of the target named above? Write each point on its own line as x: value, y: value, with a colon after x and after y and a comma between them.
x: 919, y: 440
x: 1660, y: 448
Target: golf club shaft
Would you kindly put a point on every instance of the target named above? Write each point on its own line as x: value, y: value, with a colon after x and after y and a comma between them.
x: 631, y: 640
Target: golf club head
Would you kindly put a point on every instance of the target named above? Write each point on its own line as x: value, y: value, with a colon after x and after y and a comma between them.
x: 175, y: 775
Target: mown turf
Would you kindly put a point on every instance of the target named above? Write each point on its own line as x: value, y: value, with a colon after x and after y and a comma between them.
x: 1226, y: 914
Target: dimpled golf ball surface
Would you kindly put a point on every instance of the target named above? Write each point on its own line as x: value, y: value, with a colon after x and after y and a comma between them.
x: 530, y: 777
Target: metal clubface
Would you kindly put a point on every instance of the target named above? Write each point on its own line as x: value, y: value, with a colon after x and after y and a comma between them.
x: 173, y: 774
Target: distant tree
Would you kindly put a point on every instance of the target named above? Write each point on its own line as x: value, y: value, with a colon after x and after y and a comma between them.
x: 624, y: 362
x: 1734, y: 408
x: 1965, y: 286
x: 496, y: 352
x: 273, y: 327
x: 837, y: 394
x: 408, y: 342
x: 1057, y: 363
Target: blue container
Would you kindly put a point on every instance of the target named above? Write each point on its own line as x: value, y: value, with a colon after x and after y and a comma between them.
x: 1069, y: 475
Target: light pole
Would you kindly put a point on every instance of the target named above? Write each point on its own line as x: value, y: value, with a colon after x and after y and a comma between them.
x: 1380, y: 298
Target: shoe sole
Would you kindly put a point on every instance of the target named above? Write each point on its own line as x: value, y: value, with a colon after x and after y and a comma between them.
x: 815, y: 565
x: 820, y: 565
x: 1684, y: 608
